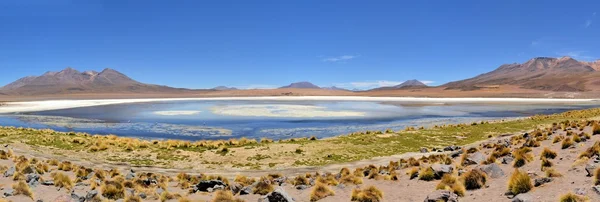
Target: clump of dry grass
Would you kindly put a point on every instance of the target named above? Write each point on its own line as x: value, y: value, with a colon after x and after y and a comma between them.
x: 112, y: 190
x: 351, y: 179
x: 566, y: 143
x: 225, y: 196
x: 597, y: 176
x: 570, y: 197
x: 243, y: 180
x: 320, y: 191
x: 62, y: 180
x: 557, y: 139
x: 474, y: 179
x: 451, y: 183
x: 547, y: 153
x: 413, y: 173
x: 551, y: 172
x: 591, y: 151
x: 165, y: 196
x: 21, y: 187
x: 133, y: 198
x: 65, y: 166
x: 300, y: 180
x: 369, y: 194
x: 596, y: 129
x: 519, y: 182
x: 426, y: 174
x: 328, y: 179
x: 263, y: 187
x: 546, y: 163
x: 522, y: 156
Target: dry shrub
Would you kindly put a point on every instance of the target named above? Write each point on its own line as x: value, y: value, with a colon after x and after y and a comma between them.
x: 451, y: 183
x: 112, y: 190
x: 62, y: 180
x: 243, y: 180
x: 547, y: 153
x: 566, y: 143
x: 519, y: 182
x: 225, y: 196
x: 570, y: 197
x: 320, y: 191
x: 369, y: 194
x: 263, y: 187
x: 474, y: 179
x: 21, y: 187
x: 551, y: 172
x: 426, y: 174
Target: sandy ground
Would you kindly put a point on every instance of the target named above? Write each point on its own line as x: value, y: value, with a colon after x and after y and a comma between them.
x: 31, y: 106
x: 405, y: 189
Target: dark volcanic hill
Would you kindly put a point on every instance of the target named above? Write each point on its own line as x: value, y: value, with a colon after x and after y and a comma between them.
x: 542, y: 73
x: 223, y: 88
x: 72, y: 81
x: 410, y: 84
x: 303, y: 84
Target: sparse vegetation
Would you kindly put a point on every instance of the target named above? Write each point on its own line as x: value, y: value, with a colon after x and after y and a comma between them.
x: 474, y: 179
x: 519, y: 182
x: 369, y: 194
x: 21, y: 187
x: 570, y: 197
x: 320, y: 191
x: 225, y: 196
x: 547, y: 153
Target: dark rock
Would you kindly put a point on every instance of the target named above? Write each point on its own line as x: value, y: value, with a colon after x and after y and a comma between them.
x: 475, y: 158
x: 524, y: 197
x: 143, y: 195
x: 541, y: 181
x: 9, y: 192
x: 423, y: 150
x: 91, y: 194
x: 580, y: 191
x: 10, y: 172
x: 455, y: 154
x: 279, y: 195
x: 589, y: 168
x: 48, y: 182
x: 246, y: 190
x: 507, y: 159
x: 451, y: 148
x: 596, y: 189
x: 441, y: 169
x: 205, y: 184
x: 301, y: 187
x: 492, y: 170
x: 279, y: 181
x: 235, y: 187
x: 441, y: 195
x: 77, y: 197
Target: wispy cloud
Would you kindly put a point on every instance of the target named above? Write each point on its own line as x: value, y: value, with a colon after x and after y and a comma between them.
x: 340, y: 58
x: 589, y: 21
x: 580, y: 55
x: 258, y: 86
x: 364, y: 85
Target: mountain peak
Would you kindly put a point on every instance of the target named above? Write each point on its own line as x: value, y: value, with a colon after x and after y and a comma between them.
x: 411, y: 83
x: 302, y: 84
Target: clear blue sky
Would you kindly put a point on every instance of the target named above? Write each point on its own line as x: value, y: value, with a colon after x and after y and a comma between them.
x: 202, y: 44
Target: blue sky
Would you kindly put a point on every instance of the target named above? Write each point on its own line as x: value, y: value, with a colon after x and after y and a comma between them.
x: 248, y: 44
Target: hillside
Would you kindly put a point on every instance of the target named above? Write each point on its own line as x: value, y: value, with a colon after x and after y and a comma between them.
x: 70, y: 81
x: 410, y: 84
x: 563, y: 74
x: 303, y: 84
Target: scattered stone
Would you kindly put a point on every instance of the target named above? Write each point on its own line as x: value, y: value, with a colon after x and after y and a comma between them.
x: 77, y: 197
x: 523, y: 197
x: 143, y: 195
x: 441, y: 169
x: 589, y: 168
x: 280, y: 180
x: 475, y: 158
x: 246, y: 190
x: 10, y: 172
x: 9, y: 192
x: 541, y: 181
x: 91, y: 194
x: 596, y: 189
x: 301, y: 187
x: 159, y: 191
x: 235, y: 187
x: 48, y: 183
x: 441, y: 195
x: 492, y: 170
x: 130, y: 176
x: 32, y: 177
x: 580, y: 191
x: 205, y: 184
x: 279, y: 195
x: 456, y: 153
x: 451, y: 148
x: 423, y: 150
x: 507, y: 159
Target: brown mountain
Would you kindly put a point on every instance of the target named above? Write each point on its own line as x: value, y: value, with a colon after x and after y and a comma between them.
x: 70, y: 80
x: 409, y: 84
x: 303, y: 84
x: 541, y: 73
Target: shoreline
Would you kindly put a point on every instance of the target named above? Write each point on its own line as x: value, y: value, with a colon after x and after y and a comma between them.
x: 34, y: 106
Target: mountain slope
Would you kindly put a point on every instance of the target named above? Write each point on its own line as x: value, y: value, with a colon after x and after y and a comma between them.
x: 70, y: 80
x: 409, y: 84
x: 541, y: 73
x: 303, y: 84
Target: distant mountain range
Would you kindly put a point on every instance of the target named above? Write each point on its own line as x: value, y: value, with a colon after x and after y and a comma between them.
x: 410, y: 84
x: 563, y: 74
x: 70, y: 80
x: 541, y: 73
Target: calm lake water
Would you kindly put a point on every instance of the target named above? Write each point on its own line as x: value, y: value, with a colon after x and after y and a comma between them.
x: 196, y: 120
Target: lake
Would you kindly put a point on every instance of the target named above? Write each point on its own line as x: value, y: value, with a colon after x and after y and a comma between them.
x: 224, y: 119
